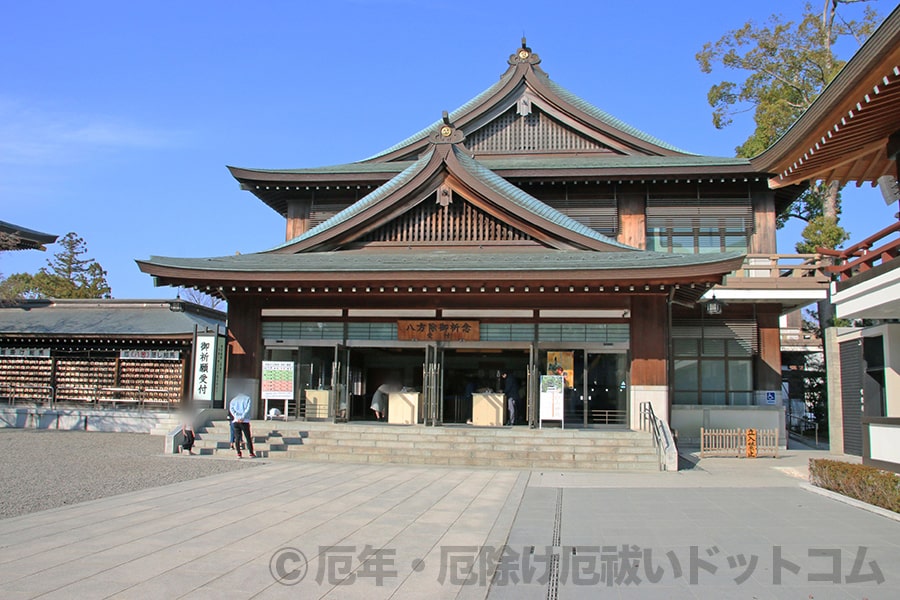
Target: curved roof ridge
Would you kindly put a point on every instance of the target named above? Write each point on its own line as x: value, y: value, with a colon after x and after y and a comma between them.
x: 363, y: 203
x: 504, y: 79
x: 601, y: 115
x: 529, y: 202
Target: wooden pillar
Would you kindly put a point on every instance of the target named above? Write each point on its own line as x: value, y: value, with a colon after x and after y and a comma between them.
x: 763, y: 239
x: 244, y: 348
x: 297, y: 218
x: 649, y: 356
x: 632, y: 219
x: 768, y: 366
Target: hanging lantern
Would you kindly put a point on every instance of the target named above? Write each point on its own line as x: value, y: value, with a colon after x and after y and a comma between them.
x: 714, y: 307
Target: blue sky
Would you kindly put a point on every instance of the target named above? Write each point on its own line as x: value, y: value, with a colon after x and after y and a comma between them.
x: 117, y: 119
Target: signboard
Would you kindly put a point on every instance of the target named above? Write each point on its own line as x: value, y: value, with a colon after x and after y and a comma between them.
x: 25, y: 352
x: 150, y: 355
x: 751, y: 443
x: 438, y: 331
x: 552, y: 396
x: 770, y: 397
x: 277, y: 380
x: 209, y: 367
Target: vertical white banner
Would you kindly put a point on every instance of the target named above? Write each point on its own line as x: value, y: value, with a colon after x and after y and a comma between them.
x: 204, y: 365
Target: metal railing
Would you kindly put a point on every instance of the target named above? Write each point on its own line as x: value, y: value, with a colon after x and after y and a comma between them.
x: 800, y: 424
x: 662, y: 437
x: 94, y: 397
x: 608, y: 417
x: 11, y: 393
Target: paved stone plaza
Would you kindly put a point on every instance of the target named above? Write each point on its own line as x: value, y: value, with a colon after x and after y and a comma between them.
x: 726, y: 528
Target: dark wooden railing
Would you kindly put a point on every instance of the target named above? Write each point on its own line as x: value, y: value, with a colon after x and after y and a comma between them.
x: 867, y: 254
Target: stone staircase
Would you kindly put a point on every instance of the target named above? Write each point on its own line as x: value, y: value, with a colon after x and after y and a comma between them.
x: 504, y: 447
x: 166, y: 424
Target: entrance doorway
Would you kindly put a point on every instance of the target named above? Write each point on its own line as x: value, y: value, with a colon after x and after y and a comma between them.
x: 595, y: 385
x: 338, y: 382
x: 468, y: 371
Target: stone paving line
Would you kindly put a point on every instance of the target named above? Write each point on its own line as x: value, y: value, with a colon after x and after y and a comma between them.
x: 727, y: 528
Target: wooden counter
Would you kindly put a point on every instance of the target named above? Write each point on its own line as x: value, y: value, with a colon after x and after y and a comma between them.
x: 404, y: 408
x: 317, y: 404
x: 487, y: 409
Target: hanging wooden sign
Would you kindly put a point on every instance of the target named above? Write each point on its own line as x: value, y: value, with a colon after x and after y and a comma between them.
x: 438, y: 331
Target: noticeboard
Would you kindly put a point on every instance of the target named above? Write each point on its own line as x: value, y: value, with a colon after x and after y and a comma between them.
x: 277, y: 380
x: 552, y: 398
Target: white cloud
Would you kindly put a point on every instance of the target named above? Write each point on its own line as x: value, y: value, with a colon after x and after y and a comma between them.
x: 32, y: 136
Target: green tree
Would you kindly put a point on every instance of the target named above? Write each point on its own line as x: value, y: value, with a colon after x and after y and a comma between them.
x: 67, y: 275
x: 784, y: 66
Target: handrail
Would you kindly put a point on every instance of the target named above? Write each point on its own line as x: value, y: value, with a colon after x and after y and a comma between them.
x: 802, y: 419
x: 861, y: 264
x: 662, y: 436
x: 861, y: 248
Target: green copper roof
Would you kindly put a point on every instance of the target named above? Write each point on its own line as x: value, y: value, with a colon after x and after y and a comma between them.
x: 529, y: 202
x: 371, y: 199
x: 107, y: 317
x: 611, y: 163
x: 415, y: 260
x: 504, y: 79
x: 346, y: 168
x: 499, y: 185
x: 602, y: 116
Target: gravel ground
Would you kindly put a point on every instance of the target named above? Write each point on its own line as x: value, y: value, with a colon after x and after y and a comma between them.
x: 44, y: 469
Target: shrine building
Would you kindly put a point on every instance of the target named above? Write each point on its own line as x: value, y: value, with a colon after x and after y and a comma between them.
x: 526, y: 232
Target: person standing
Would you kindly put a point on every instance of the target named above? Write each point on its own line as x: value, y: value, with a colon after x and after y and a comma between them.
x: 240, y: 412
x: 511, y: 391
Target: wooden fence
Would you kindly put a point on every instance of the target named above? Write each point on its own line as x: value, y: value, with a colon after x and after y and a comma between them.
x: 738, y: 442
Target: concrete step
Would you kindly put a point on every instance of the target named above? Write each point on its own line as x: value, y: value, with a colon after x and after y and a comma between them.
x: 165, y: 426
x: 504, y: 447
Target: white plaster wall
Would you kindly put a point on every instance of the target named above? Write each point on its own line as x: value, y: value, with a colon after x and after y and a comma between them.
x: 892, y: 369
x: 657, y: 395
x: 884, y: 442
x: 687, y: 420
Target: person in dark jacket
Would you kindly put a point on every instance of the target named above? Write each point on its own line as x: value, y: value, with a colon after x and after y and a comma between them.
x: 511, y: 391
x: 187, y: 436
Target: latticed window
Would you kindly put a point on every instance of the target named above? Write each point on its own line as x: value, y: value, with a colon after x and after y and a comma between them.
x: 713, y: 363
x: 454, y: 221
x: 699, y: 220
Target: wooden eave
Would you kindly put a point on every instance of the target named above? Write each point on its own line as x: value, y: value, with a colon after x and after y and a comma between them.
x: 289, y: 282
x: 843, y: 136
x: 250, y: 177
x: 27, y: 239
